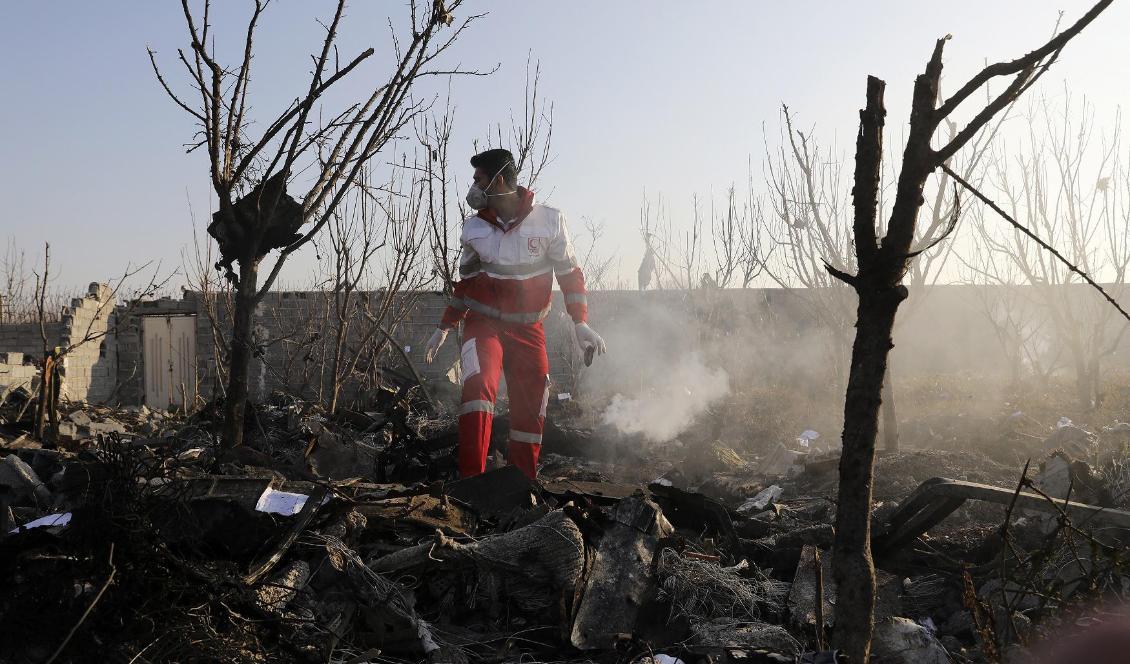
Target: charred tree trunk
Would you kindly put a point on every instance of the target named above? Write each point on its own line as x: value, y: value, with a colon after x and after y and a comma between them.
x: 879, y: 288
x: 890, y: 413
x: 242, y: 350
x: 878, y: 284
x: 47, y: 406
x: 853, y: 567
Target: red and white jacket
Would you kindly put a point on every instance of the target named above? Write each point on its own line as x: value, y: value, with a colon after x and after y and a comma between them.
x: 506, y: 273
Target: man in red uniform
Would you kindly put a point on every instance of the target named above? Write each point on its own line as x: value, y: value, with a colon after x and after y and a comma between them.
x: 511, y: 249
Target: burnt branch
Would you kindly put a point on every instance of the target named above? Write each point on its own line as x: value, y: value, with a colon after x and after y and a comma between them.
x: 1035, y: 238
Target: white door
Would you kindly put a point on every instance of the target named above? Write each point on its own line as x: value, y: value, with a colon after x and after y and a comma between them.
x: 170, y: 360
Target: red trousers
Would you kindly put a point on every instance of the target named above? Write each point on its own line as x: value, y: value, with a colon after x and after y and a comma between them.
x: 491, y: 348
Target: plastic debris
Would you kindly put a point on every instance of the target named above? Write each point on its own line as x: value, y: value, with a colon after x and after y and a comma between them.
x: 49, y: 521
x: 762, y: 499
x: 806, y: 437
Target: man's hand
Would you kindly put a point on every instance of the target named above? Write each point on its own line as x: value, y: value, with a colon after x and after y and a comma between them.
x: 434, y: 343
x: 588, y: 338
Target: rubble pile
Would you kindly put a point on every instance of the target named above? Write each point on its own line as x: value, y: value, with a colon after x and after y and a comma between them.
x: 347, y: 538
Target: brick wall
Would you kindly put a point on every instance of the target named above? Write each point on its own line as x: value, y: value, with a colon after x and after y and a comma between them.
x: 941, y: 329
x: 16, y: 370
x: 90, y: 367
x: 129, y: 367
x: 25, y: 338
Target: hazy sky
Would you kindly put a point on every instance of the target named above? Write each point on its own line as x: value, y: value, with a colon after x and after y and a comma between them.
x: 650, y: 98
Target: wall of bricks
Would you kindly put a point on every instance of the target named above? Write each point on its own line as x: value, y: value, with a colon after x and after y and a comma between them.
x: 16, y: 371
x: 941, y: 329
x: 90, y: 367
x: 25, y: 338
x: 129, y: 369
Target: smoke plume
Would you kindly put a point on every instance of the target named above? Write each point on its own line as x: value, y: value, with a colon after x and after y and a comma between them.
x: 666, y: 409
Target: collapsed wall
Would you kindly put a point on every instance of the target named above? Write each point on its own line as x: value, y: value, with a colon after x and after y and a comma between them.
x: 84, y: 331
x: 89, y: 367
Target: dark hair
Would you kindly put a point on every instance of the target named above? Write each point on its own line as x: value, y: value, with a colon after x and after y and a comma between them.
x: 492, y: 161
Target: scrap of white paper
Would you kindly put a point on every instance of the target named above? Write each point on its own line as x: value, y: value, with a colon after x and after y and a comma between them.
x: 281, y: 502
x: 49, y: 520
x: 564, y: 396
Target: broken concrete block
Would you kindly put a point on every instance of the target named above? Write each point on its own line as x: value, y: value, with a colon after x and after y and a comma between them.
x: 79, y: 418
x: 22, y: 481
x: 12, y: 357
x: 903, y: 641
x: 71, y: 434
x: 108, y: 425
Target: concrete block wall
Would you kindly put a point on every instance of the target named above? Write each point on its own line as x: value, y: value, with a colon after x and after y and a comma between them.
x: 130, y: 350
x: 90, y: 367
x: 89, y: 370
x: 16, y: 370
x: 25, y: 338
x: 941, y: 329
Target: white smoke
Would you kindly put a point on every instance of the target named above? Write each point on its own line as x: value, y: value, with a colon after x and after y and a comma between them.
x: 666, y: 409
x: 660, y: 373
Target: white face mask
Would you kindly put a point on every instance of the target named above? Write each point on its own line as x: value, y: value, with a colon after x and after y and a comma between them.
x: 479, y: 199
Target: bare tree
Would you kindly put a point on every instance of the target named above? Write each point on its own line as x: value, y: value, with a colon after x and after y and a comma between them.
x: 529, y: 139
x: 1009, y: 306
x: 23, y: 298
x: 13, y: 288
x: 596, y: 264
x: 807, y: 227
x: 214, y: 298
x: 674, y: 259
x: 737, y: 237
x: 251, y: 174
x: 376, y: 240
x: 1071, y: 188
x: 353, y: 238
x: 881, y: 265
x: 444, y: 211
x: 810, y: 224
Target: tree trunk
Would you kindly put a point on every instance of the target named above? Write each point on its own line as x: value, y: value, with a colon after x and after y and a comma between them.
x: 235, y: 406
x: 1087, y: 381
x: 853, y: 568
x: 336, y: 379
x: 44, y: 405
x: 890, y: 414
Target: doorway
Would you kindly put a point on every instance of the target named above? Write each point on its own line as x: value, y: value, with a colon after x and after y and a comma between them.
x: 169, y: 344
